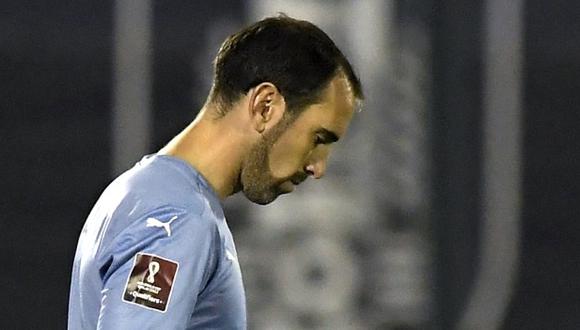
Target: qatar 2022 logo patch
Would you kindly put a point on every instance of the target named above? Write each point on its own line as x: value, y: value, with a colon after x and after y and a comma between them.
x: 150, y: 282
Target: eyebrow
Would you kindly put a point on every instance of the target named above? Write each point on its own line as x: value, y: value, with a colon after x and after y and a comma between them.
x: 327, y: 136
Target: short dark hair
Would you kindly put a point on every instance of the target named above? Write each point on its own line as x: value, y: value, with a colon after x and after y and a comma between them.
x: 296, y: 56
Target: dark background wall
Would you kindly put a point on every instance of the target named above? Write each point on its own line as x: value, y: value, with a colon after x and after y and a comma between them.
x: 55, y: 100
x: 456, y: 122
x: 181, y: 41
x: 548, y: 287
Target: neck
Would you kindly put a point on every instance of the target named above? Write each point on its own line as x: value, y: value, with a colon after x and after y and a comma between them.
x: 214, y: 147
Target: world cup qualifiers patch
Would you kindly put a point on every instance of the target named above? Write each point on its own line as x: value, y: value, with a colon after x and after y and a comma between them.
x: 150, y: 282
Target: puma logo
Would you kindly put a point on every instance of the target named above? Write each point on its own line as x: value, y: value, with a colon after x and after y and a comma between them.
x: 152, y: 222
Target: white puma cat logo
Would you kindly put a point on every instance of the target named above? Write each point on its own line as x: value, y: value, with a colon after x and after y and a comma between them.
x: 152, y: 222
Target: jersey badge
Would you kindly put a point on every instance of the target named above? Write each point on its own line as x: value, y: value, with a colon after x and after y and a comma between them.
x: 150, y: 282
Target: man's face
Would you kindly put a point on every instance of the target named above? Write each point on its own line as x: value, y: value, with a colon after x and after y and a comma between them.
x: 298, y: 148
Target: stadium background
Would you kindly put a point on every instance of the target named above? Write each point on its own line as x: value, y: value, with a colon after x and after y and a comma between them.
x: 452, y: 203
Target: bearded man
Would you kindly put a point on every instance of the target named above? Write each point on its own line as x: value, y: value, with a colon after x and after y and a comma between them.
x: 156, y: 251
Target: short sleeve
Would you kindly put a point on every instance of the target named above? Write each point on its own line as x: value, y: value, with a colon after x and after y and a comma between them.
x: 155, y: 269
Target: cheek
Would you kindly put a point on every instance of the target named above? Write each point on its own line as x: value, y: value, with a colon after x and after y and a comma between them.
x: 287, y: 157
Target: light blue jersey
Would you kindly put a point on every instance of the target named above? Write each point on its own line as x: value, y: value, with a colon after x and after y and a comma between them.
x: 156, y: 253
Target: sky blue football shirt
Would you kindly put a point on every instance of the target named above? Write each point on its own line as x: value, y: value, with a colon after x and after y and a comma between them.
x: 156, y: 253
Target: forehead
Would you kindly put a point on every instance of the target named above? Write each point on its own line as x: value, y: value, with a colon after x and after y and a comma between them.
x: 334, y: 110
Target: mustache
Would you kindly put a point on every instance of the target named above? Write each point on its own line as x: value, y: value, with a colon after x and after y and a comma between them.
x: 299, y: 178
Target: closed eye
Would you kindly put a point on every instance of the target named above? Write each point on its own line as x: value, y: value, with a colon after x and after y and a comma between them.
x: 318, y: 140
x: 324, y: 136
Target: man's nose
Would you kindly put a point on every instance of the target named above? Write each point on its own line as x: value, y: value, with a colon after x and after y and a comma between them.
x: 316, y: 169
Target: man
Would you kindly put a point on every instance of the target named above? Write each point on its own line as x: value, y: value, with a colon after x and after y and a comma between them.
x: 156, y: 251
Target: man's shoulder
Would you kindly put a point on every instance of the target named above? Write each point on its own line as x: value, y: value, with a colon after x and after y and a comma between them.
x: 140, y: 215
x: 161, y: 180
x: 155, y: 172
x: 156, y: 188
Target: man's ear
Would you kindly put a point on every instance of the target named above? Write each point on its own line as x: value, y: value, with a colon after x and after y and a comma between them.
x: 266, y: 106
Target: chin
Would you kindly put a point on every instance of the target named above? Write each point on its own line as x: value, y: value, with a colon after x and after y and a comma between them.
x: 261, y: 198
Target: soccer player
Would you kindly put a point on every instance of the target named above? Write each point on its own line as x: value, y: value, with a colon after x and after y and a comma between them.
x: 156, y: 251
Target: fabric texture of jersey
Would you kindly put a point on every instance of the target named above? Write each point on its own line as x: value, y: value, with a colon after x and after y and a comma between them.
x: 159, y: 222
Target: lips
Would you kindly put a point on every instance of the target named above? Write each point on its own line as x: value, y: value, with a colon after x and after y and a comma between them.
x: 287, y: 187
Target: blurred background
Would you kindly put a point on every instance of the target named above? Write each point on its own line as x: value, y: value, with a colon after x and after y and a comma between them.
x: 451, y: 204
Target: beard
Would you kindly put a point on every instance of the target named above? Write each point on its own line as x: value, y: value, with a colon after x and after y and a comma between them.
x: 256, y: 179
